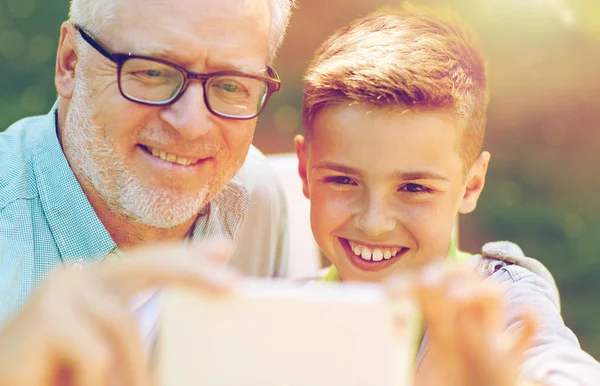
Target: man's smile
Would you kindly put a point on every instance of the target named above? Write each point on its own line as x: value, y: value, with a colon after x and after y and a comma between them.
x: 170, y: 157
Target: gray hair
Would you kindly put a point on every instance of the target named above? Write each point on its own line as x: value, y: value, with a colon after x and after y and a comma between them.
x: 95, y: 14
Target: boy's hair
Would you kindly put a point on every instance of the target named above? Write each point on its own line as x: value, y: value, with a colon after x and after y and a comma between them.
x: 407, y: 59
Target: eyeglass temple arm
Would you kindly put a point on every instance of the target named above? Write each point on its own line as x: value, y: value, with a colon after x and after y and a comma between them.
x: 94, y: 44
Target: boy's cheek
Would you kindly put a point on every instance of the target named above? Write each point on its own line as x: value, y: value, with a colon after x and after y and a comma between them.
x: 431, y: 229
x: 328, y: 212
x: 433, y: 244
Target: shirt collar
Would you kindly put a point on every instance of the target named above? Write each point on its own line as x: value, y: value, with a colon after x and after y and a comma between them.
x: 223, y: 217
x: 77, y: 230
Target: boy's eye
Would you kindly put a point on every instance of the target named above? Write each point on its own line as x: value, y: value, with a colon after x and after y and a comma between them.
x: 340, y: 180
x: 415, y: 188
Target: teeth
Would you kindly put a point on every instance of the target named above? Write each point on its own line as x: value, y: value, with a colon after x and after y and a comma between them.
x: 372, y: 254
x: 183, y: 161
x: 172, y: 157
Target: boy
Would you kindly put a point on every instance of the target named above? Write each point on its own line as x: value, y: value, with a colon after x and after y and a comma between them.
x: 394, y: 115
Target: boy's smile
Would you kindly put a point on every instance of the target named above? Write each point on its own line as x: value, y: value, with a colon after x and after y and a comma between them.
x: 385, y: 187
x: 371, y: 257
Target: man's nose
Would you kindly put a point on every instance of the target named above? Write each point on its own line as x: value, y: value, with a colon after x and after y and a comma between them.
x: 375, y: 218
x: 189, y: 115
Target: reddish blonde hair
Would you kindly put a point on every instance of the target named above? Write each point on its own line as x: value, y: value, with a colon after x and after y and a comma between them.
x: 407, y: 59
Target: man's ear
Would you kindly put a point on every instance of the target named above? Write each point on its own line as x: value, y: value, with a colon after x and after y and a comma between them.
x: 66, y: 61
x: 301, y: 152
x: 475, y: 183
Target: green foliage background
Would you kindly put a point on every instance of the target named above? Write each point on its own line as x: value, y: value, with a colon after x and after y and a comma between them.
x: 543, y: 189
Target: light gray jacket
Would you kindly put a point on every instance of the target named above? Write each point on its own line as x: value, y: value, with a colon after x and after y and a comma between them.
x: 557, y: 358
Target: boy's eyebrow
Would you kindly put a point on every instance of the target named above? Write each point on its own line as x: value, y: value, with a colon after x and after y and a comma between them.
x: 337, y: 167
x: 406, y: 176
x: 425, y: 175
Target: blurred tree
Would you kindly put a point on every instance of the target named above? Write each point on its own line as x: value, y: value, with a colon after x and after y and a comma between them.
x: 28, y: 39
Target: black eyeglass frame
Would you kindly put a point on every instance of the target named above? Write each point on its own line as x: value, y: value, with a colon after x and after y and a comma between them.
x: 273, y: 82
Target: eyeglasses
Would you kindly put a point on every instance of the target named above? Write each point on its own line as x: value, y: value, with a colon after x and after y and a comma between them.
x: 156, y: 82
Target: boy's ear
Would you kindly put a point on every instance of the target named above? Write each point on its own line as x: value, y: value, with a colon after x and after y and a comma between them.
x: 475, y: 183
x: 300, y: 142
x: 66, y: 61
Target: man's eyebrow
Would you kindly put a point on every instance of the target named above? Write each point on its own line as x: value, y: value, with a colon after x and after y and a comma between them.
x: 246, y: 68
x: 152, y: 50
x: 165, y: 54
x: 187, y: 62
x: 328, y: 165
x: 161, y: 52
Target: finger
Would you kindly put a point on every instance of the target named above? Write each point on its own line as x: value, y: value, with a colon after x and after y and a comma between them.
x: 524, y: 336
x: 485, y: 343
x: 440, y: 288
x: 212, y: 249
x: 170, y: 265
x: 482, y: 352
x: 78, y: 353
x: 444, y: 293
x: 439, y: 313
x: 480, y: 348
x: 478, y: 343
x: 480, y: 314
x: 118, y: 326
x: 483, y: 301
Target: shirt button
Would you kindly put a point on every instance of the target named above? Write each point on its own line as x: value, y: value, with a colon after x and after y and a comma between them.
x: 77, y: 267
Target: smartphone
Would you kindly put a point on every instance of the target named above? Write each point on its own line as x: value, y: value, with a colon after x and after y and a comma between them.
x: 280, y: 333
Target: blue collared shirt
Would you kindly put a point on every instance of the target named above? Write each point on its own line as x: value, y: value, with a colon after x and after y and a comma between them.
x: 46, y: 221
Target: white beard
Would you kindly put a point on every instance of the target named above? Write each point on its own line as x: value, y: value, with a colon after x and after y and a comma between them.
x: 92, y: 156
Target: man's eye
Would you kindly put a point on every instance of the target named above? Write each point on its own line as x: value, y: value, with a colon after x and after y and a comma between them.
x: 150, y: 73
x: 415, y: 188
x: 153, y: 73
x: 230, y: 87
x: 340, y: 180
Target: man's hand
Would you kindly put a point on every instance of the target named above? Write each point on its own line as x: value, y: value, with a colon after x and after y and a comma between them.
x: 79, y: 330
x: 465, y: 321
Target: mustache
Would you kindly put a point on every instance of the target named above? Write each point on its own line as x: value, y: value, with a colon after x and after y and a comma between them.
x: 161, y: 137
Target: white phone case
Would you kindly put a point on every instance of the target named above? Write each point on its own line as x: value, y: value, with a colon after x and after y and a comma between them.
x: 278, y: 333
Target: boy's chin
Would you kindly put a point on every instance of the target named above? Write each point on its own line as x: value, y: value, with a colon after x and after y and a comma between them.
x: 352, y: 274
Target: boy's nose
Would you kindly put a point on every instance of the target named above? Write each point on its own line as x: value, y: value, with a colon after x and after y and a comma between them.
x: 375, y: 219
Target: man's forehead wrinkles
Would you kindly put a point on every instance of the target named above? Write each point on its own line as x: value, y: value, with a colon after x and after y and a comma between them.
x: 199, y: 35
x: 199, y: 58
